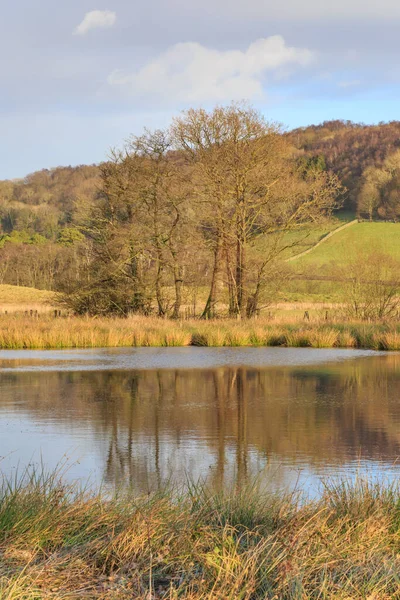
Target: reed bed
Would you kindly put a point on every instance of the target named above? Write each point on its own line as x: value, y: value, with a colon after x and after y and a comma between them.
x: 47, y: 332
x: 59, y: 542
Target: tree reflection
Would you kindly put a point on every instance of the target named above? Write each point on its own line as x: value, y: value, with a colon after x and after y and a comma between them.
x: 221, y: 424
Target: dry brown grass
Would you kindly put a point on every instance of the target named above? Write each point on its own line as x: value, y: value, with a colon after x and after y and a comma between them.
x: 56, y: 542
x: 20, y: 331
x: 13, y: 294
x: 18, y: 300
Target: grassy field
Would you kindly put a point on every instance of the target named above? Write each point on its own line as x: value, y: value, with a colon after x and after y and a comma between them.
x: 360, y: 238
x: 20, y: 332
x: 18, y: 299
x: 355, y: 242
x: 57, y: 542
x: 300, y: 239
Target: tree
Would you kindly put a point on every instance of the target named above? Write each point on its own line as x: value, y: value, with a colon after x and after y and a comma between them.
x: 380, y: 190
x: 214, y: 182
x: 372, y: 285
x: 247, y: 184
x: 162, y: 193
x: 118, y: 280
x: 139, y: 231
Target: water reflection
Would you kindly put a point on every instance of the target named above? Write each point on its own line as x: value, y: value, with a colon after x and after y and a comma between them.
x: 144, y: 426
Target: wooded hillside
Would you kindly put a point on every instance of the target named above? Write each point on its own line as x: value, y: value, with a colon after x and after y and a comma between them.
x: 43, y: 243
x: 348, y: 149
x: 45, y: 201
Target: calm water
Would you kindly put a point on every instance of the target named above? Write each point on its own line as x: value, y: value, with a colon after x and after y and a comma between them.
x: 141, y: 416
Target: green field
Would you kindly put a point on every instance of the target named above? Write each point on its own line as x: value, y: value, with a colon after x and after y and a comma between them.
x: 358, y: 241
x: 361, y: 238
x: 299, y: 240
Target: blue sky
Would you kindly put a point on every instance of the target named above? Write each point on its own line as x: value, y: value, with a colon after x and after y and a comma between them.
x: 79, y: 77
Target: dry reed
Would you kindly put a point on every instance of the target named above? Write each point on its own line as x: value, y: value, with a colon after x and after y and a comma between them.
x: 46, y: 332
x: 57, y: 542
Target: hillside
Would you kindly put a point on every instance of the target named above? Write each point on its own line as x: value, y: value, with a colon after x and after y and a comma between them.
x: 46, y: 201
x: 319, y: 275
x: 348, y: 149
x: 359, y: 239
x: 19, y: 299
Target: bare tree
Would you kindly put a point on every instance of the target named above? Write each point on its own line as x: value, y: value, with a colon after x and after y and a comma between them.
x: 371, y: 285
x: 246, y: 181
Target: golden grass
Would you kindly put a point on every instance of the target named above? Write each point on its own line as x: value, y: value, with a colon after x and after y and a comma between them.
x: 389, y: 340
x: 20, y: 331
x: 15, y: 295
x: 57, y: 542
x: 25, y: 309
x: 20, y: 300
x: 345, y: 339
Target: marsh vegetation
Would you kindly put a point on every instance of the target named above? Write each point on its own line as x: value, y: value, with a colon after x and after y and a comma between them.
x: 58, y: 542
x: 29, y: 332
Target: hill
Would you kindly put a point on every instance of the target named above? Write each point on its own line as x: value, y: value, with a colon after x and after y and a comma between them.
x: 348, y: 149
x: 319, y: 275
x: 361, y: 238
x: 46, y: 201
x: 19, y: 299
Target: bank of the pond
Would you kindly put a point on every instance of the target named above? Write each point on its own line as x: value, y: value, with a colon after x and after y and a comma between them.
x: 57, y: 542
x: 17, y: 332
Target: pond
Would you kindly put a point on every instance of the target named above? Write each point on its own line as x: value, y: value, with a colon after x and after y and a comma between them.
x: 142, y: 417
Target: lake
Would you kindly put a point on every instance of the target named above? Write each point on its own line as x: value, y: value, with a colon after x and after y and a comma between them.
x: 290, y: 417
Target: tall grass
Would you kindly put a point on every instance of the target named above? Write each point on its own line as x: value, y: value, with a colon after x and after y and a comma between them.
x: 18, y: 332
x: 59, y: 542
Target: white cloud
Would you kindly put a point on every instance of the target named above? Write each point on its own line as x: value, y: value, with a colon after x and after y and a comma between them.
x: 96, y: 19
x: 190, y: 72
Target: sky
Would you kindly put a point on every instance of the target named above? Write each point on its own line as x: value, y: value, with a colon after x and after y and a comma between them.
x: 79, y: 77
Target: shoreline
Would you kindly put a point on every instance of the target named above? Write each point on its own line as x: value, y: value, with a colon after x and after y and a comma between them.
x: 47, y: 333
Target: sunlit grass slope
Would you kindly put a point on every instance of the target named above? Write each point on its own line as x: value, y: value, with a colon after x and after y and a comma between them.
x: 359, y: 239
x: 298, y: 240
x: 13, y: 294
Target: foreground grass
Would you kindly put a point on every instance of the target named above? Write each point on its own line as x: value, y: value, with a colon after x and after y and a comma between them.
x: 19, y: 332
x: 57, y: 542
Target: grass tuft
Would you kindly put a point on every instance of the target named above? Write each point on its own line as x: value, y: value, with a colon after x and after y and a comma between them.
x: 57, y: 541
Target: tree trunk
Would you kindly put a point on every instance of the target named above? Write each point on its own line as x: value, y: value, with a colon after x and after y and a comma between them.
x: 158, y: 286
x: 241, y: 288
x: 158, y: 283
x: 254, y: 299
x: 252, y: 305
x: 178, y: 292
x: 231, y: 283
x: 209, y: 309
